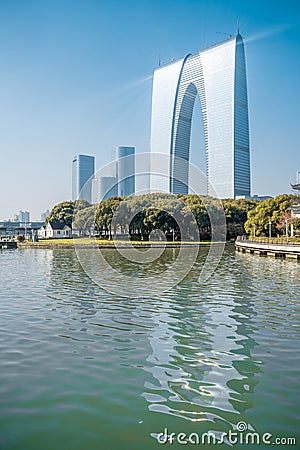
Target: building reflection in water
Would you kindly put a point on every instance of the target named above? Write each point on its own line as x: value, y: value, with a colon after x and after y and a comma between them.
x: 202, y: 343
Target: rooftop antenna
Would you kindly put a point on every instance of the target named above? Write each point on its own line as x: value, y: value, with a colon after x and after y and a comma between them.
x: 238, y: 27
x: 159, y: 60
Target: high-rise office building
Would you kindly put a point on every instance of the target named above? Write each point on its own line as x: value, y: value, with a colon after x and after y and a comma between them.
x: 104, y: 187
x: 22, y: 216
x: 83, y: 169
x: 126, y: 170
x: 44, y: 215
x: 218, y: 75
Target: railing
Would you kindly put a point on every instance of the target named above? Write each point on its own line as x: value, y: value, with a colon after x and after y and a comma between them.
x: 269, y: 241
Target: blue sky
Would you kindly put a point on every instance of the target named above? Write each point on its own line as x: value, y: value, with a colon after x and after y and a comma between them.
x: 76, y: 77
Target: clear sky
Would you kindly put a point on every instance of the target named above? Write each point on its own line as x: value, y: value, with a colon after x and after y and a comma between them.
x: 76, y: 77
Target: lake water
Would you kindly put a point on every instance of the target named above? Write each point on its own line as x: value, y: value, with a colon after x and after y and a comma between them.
x: 82, y: 369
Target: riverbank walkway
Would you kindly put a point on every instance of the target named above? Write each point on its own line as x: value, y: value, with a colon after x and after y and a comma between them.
x: 268, y: 248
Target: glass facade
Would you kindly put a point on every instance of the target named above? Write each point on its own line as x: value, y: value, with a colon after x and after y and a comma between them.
x: 126, y: 170
x: 83, y: 169
x: 165, y: 82
x: 103, y: 188
x: 218, y: 76
x: 241, y: 126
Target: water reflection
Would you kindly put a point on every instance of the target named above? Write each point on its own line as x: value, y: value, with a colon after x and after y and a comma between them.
x: 67, y: 277
x: 202, y: 344
x: 115, y: 370
x: 203, y: 364
x: 132, y: 278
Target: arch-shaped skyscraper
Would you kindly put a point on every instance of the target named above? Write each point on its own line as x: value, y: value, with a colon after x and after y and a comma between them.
x: 218, y: 75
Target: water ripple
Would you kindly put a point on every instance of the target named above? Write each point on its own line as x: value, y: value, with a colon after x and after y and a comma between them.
x: 97, y: 371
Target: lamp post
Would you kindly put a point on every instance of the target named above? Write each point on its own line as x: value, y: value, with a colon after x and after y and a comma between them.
x: 254, y: 230
x: 270, y: 229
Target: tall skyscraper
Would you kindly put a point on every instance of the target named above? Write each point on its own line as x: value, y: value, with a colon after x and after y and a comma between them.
x: 218, y: 75
x: 126, y: 170
x: 83, y: 169
x: 103, y: 188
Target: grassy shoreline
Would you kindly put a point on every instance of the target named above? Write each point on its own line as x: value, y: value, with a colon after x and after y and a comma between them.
x: 94, y: 243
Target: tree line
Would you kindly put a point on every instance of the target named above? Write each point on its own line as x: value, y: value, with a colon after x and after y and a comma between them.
x: 276, y: 211
x: 177, y: 216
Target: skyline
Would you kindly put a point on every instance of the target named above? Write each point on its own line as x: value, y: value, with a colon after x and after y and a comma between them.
x: 77, y: 78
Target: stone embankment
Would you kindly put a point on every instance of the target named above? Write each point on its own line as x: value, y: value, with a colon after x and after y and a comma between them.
x: 268, y: 248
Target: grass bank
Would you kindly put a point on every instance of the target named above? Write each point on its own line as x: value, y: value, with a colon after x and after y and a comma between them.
x: 105, y: 243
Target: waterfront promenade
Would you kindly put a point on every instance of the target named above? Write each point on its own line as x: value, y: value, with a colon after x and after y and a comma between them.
x: 268, y: 247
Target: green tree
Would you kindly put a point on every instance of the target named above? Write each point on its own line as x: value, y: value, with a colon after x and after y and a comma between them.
x: 64, y: 211
x: 196, y: 205
x: 174, y: 215
x: 84, y: 219
x: 236, y: 211
x: 104, y: 215
x: 164, y: 212
x: 270, y: 210
x: 296, y: 225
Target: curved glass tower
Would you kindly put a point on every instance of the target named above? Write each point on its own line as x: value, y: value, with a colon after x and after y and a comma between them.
x: 218, y: 75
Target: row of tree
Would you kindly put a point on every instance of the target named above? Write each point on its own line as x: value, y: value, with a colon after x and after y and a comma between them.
x: 177, y: 216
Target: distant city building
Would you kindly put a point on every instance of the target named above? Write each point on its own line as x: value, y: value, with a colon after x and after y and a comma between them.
x: 261, y: 197
x: 44, y: 215
x: 218, y: 75
x: 104, y: 188
x: 295, y: 209
x: 254, y: 197
x: 13, y: 228
x: 95, y: 190
x: 142, y: 173
x: 22, y: 216
x: 296, y: 186
x: 126, y: 170
x: 83, y: 169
